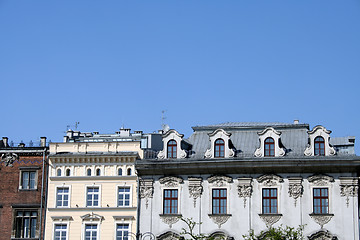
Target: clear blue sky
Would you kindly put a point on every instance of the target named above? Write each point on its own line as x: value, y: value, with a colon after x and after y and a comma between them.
x: 113, y: 63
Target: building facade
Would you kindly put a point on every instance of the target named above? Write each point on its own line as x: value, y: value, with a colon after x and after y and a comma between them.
x: 237, y: 177
x: 23, y: 172
x: 92, y: 190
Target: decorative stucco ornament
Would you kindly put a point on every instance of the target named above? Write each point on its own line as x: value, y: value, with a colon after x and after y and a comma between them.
x: 219, y: 219
x: 9, y: 158
x: 275, y: 135
x: 295, y: 188
x: 270, y: 180
x: 225, y: 136
x: 244, y: 188
x: 178, y: 138
x: 348, y: 191
x: 219, y: 181
x: 319, y: 131
x: 320, y: 180
x: 321, y: 219
x: 146, y: 190
x: 270, y: 219
x: 322, y: 235
x: 170, y: 219
x: 195, y: 188
x: 171, y: 181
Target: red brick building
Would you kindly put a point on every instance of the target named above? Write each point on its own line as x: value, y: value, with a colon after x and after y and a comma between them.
x: 23, y: 174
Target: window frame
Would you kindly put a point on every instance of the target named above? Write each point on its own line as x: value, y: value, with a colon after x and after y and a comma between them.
x: 60, y: 223
x: 69, y: 195
x: 122, y: 222
x: 15, y: 221
x: 219, y: 198
x: 320, y: 197
x: 319, y: 145
x: 83, y: 232
x: 117, y: 171
x: 173, y: 147
x: 21, y: 180
x: 218, y: 151
x: 270, y: 198
x: 164, y: 199
x: 130, y: 193
x: 86, y: 194
x: 268, y: 152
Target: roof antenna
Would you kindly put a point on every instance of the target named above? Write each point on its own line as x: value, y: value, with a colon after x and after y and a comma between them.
x: 76, y: 125
x: 164, y: 126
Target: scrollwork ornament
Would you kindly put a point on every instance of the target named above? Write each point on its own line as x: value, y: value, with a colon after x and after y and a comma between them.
x: 348, y: 191
x: 295, y: 191
x: 321, y: 219
x: 270, y: 219
x: 171, y: 181
x: 244, y: 191
x: 219, y: 219
x: 219, y: 181
x: 195, y: 192
x: 9, y: 158
x: 170, y: 220
x: 146, y: 190
x: 270, y: 180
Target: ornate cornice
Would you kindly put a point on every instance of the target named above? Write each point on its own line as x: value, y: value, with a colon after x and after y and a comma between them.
x: 92, y: 217
x: 320, y: 180
x: 171, y: 181
x: 270, y: 180
x: 269, y: 129
x: 173, y: 131
x: 219, y: 181
x: 195, y: 188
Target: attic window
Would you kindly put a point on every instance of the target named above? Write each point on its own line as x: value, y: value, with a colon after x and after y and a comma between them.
x: 219, y: 148
x: 171, y: 149
x: 269, y: 147
x: 319, y: 146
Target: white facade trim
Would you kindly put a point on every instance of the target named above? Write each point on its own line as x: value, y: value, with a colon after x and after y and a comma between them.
x: 322, y: 132
x: 275, y: 135
x: 219, y: 134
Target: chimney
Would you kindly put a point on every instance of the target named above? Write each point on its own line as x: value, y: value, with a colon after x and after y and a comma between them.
x: 21, y: 145
x: 66, y: 139
x: 296, y: 121
x: 42, y: 141
x: 96, y: 133
x: 5, y: 141
x: 125, y: 132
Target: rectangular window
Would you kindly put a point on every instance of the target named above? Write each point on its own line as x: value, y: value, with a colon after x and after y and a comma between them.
x: 26, y: 223
x: 170, y: 201
x: 28, y: 179
x: 91, y: 232
x: 124, y: 196
x: 60, y: 232
x: 62, y: 197
x: 122, y: 231
x: 269, y: 200
x: 321, y: 200
x: 92, y: 197
x: 219, y: 199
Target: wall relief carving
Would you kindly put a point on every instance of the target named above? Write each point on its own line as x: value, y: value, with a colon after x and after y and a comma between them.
x: 270, y: 180
x: 195, y: 188
x: 244, y: 189
x: 322, y: 235
x: 9, y: 158
x: 219, y: 219
x: 295, y: 188
x: 321, y: 219
x: 219, y: 181
x: 348, y: 188
x: 320, y: 180
x: 270, y: 219
x: 146, y: 190
x: 170, y: 219
x: 171, y: 181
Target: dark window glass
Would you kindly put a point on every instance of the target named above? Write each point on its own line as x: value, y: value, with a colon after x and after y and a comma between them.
x: 269, y: 200
x: 98, y: 172
x: 60, y: 232
x: 269, y: 147
x: 319, y: 146
x: 25, y: 223
x: 91, y: 232
x: 88, y: 172
x: 67, y: 172
x: 28, y: 179
x: 129, y: 171
x: 321, y: 200
x: 171, y: 149
x: 58, y: 173
x: 122, y: 231
x: 119, y: 171
x: 170, y: 201
x: 219, y: 148
x: 219, y: 201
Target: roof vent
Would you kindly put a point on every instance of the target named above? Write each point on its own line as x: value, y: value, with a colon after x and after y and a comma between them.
x: 5, y: 141
x: 296, y: 121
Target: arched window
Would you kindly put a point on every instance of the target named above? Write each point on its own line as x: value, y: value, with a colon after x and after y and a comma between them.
x: 98, y: 172
x: 67, y: 172
x: 219, y: 148
x: 269, y: 147
x: 171, y: 149
x: 319, y: 146
x: 119, y: 171
x: 88, y: 172
x: 129, y: 171
x: 58, y: 173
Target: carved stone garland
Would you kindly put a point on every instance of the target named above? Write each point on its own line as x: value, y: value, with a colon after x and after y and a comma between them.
x: 295, y: 188
x: 195, y: 188
x: 348, y: 188
x: 146, y: 190
x: 244, y: 189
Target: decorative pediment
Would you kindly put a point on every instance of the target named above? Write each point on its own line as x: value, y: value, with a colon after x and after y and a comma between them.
x: 171, y: 181
x: 219, y: 134
x: 244, y: 188
x: 319, y: 131
x: 270, y: 180
x: 219, y: 181
x: 61, y: 218
x: 9, y: 158
x: 146, y: 190
x: 195, y: 188
x: 92, y: 217
x: 320, y: 180
x: 322, y: 235
x: 172, y: 135
x: 269, y: 132
x: 295, y: 188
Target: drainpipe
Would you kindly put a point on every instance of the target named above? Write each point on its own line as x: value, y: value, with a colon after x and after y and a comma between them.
x: 42, y: 198
x: 138, y: 237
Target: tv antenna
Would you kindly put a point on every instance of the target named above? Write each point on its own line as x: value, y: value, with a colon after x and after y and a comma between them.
x: 164, y: 126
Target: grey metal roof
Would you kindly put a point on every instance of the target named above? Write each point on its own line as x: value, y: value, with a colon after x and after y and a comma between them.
x: 250, y: 125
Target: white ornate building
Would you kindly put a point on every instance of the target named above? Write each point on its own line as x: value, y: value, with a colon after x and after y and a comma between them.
x: 235, y: 177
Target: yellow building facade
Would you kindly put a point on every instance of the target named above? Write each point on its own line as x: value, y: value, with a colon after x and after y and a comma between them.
x: 92, y: 190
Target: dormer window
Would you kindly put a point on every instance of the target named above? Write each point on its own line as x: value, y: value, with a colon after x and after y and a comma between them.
x: 219, y: 148
x: 319, y: 146
x: 171, y: 149
x: 269, y: 147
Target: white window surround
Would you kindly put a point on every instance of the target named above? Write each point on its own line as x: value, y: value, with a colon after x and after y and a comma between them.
x: 219, y: 182
x: 320, y: 181
x: 21, y: 180
x: 61, y: 222
x: 219, y: 133
x: 171, y: 183
x: 263, y: 135
x: 92, y: 222
x: 172, y: 135
x: 122, y: 221
x: 86, y: 188
x: 56, y: 190
x: 117, y: 195
x: 322, y: 132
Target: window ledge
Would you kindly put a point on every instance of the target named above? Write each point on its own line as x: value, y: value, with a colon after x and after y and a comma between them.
x: 170, y: 219
x: 27, y: 190
x: 270, y: 218
x: 219, y: 219
x: 321, y: 218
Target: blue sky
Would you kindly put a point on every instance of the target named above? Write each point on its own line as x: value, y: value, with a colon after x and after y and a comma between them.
x: 112, y: 63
